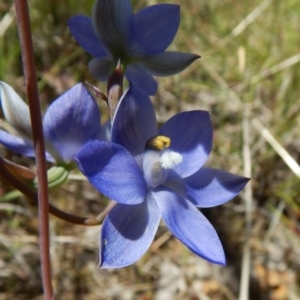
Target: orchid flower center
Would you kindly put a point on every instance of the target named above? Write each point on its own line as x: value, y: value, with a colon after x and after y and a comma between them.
x: 170, y: 159
x: 158, y: 160
x: 159, y: 142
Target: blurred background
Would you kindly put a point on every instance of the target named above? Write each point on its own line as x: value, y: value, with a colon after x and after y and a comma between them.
x: 248, y: 78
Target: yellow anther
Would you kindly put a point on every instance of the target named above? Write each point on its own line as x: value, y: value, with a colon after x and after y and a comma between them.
x: 159, y: 142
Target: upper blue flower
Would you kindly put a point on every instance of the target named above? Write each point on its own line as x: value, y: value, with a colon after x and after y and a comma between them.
x: 69, y: 122
x: 156, y: 173
x: 139, y: 41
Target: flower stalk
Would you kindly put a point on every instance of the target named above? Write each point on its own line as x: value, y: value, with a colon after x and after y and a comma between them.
x: 24, y: 30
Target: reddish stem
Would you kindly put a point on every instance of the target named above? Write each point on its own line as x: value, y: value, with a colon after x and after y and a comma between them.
x: 24, y: 30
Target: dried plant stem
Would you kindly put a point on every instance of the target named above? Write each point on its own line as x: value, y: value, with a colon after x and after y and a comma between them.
x: 268, y: 72
x: 241, y: 26
x: 24, y: 30
x: 278, y: 148
x: 246, y: 260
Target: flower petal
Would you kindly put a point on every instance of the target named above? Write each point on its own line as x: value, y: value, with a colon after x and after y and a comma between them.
x: 112, y: 21
x: 105, y: 132
x: 113, y: 171
x: 16, y: 144
x: 134, y: 122
x: 154, y: 174
x: 20, y: 146
x: 101, y: 67
x: 82, y: 30
x: 191, y: 136
x: 212, y: 187
x: 139, y: 76
x: 71, y: 121
x: 15, y: 110
x: 189, y: 226
x: 168, y: 63
x: 154, y: 31
x: 127, y: 233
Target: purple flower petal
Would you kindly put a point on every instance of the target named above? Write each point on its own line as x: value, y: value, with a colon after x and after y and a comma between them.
x: 134, y: 122
x: 82, y: 30
x: 16, y: 144
x: 191, y: 137
x: 101, y: 67
x: 190, y: 226
x: 139, y: 76
x: 15, y: 110
x: 20, y: 146
x: 155, y: 27
x: 212, y: 187
x: 127, y: 233
x: 113, y: 171
x: 168, y: 63
x: 112, y: 21
x: 71, y: 121
x: 105, y: 132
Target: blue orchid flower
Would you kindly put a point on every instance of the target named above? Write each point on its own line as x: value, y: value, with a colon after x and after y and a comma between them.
x: 139, y: 41
x: 69, y: 122
x: 154, y: 174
